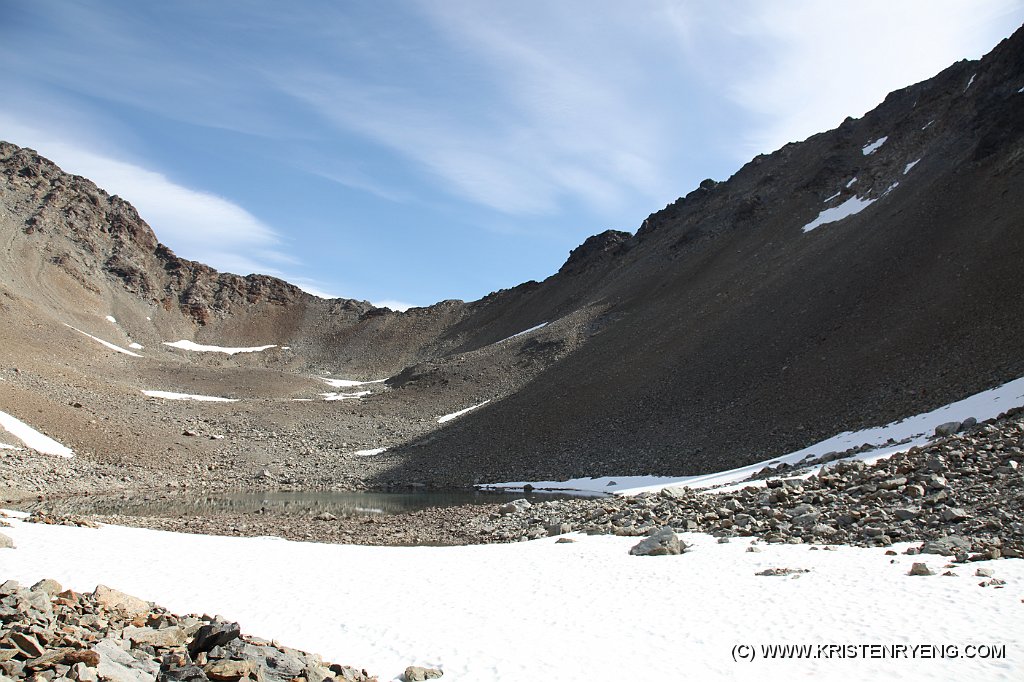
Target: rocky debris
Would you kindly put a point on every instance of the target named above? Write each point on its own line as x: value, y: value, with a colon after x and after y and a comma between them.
x: 920, y: 568
x: 783, y: 571
x: 961, y: 495
x: 52, y: 634
x: 661, y: 542
x: 415, y: 673
x: 60, y: 520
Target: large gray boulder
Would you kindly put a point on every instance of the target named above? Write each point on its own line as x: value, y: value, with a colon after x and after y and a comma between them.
x: 659, y: 543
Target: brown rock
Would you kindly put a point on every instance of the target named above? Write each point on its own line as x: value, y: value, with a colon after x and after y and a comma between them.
x: 87, y: 656
x: 113, y: 600
x: 228, y: 671
x: 27, y: 644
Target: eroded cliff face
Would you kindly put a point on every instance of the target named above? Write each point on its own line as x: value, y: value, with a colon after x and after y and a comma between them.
x: 867, y: 273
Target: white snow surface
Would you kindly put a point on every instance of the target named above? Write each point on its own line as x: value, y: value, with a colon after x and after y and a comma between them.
x: 850, y: 207
x: 198, y: 347
x: 828, y: 199
x: 850, y: 183
x: 872, y: 147
x: 5, y: 446
x: 109, y: 345
x: 453, y: 415
x: 1020, y: 91
x: 344, y: 396
x: 168, y: 395
x: 111, y: 320
x: 369, y: 453
x: 537, y: 610
x: 918, y: 428
x: 525, y: 331
x: 925, y: 126
x: 348, y: 383
x: 910, y: 165
x: 971, y: 82
x: 136, y: 346
x: 32, y: 438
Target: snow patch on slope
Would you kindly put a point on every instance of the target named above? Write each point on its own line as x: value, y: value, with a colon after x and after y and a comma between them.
x: 109, y: 345
x: 348, y: 383
x: 850, y: 207
x: 168, y: 395
x: 525, y: 331
x: 201, y: 348
x: 872, y: 147
x: 910, y: 165
x: 453, y: 415
x: 344, y: 396
x: 32, y: 438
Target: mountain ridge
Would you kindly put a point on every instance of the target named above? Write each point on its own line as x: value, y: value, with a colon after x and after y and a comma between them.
x: 733, y: 324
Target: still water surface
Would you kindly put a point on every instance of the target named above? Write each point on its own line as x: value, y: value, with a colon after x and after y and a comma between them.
x: 337, y: 503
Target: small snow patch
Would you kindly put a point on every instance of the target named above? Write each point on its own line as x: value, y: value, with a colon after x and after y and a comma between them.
x: 1020, y: 91
x: 970, y: 82
x: 850, y: 183
x: 302, y: 400
x: 32, y: 438
x: 191, y: 345
x: 136, y: 346
x: 168, y: 395
x: 925, y: 126
x: 890, y: 188
x: 344, y: 396
x: 348, y: 383
x: 910, y: 165
x: 369, y: 453
x: 105, y: 343
x: 111, y: 320
x: 453, y: 415
x: 5, y: 446
x: 525, y: 331
x: 851, y: 206
x: 872, y: 147
x: 831, y: 197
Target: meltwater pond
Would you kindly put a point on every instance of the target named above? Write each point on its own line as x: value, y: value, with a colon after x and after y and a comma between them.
x: 277, y: 502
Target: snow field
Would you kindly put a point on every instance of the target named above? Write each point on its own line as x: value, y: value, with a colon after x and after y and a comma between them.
x: 546, y: 611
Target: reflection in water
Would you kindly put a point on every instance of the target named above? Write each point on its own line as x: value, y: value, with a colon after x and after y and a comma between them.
x: 337, y: 503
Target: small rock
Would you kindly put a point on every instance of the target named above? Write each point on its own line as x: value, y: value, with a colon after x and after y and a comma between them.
x: 984, y: 572
x: 947, y: 429
x: 564, y: 541
x: 6, y: 542
x: 920, y: 568
x: 415, y: 673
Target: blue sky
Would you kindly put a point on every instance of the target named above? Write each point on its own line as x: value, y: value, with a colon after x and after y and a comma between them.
x: 409, y: 152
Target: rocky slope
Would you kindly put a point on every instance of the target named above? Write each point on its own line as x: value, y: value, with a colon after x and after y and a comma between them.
x: 719, y: 334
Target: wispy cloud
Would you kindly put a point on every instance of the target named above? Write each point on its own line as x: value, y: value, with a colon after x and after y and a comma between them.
x: 510, y: 122
x: 195, y: 224
x: 807, y: 65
